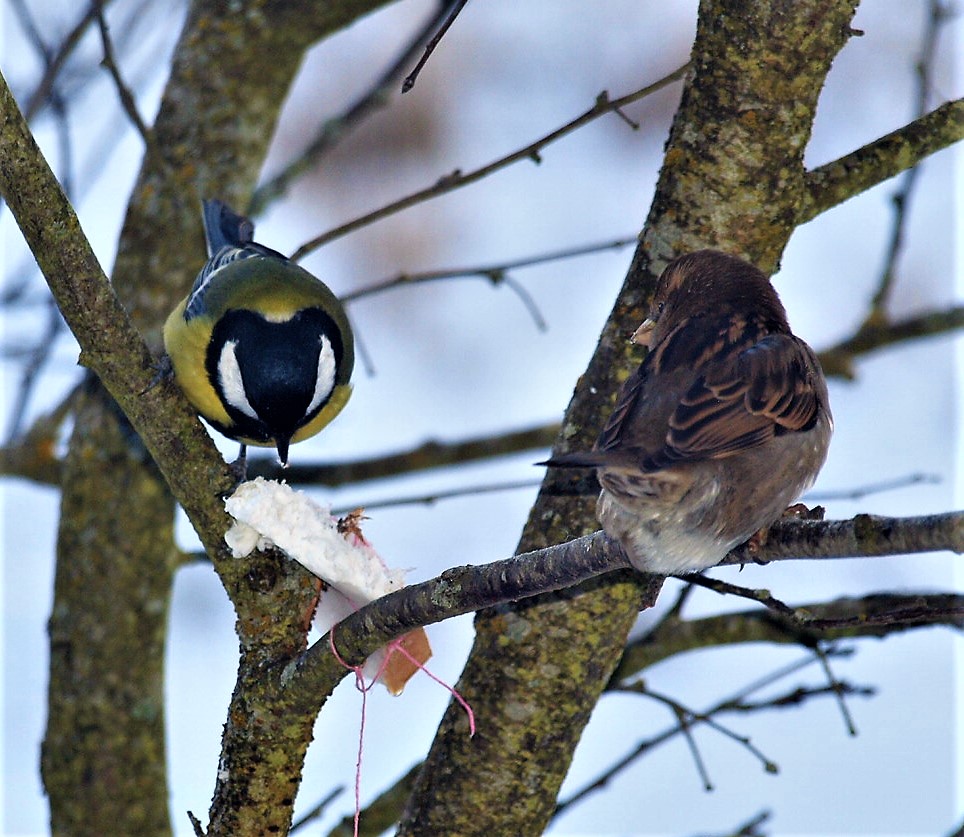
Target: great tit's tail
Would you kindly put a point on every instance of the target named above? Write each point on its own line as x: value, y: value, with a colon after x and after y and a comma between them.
x: 223, y: 227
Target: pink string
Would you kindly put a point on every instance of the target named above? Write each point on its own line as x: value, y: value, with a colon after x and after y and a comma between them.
x: 396, y: 645
x: 360, y: 685
x: 391, y: 648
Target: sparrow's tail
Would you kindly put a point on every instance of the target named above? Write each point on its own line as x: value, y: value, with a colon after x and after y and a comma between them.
x: 223, y: 227
x: 581, y: 459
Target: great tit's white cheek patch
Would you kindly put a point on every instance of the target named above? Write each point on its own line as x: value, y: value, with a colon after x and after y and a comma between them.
x: 231, y: 383
x: 325, y: 382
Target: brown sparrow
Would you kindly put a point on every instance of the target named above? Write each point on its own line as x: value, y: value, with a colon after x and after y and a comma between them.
x: 724, y: 424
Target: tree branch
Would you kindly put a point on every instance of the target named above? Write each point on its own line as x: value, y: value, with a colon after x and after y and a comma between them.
x: 110, y: 345
x: 334, y: 130
x: 492, y: 272
x: 873, y: 335
x: 874, y: 615
x: 458, y: 179
x: 466, y: 589
x: 836, y: 182
x: 123, y: 91
x: 429, y: 454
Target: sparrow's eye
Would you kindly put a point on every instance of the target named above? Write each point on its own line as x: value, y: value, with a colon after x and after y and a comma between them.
x: 659, y: 310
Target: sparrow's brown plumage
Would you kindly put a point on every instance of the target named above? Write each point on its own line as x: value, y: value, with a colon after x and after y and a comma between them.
x: 724, y: 424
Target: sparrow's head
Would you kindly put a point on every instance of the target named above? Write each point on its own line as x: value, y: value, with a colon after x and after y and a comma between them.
x: 709, y: 283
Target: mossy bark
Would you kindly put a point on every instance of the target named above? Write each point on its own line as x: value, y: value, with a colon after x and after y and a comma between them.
x: 733, y: 178
x: 103, y: 758
x: 105, y: 731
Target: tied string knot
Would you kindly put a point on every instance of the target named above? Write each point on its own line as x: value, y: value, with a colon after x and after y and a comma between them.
x: 393, y: 647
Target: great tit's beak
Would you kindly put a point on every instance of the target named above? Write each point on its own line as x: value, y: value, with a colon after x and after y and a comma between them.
x: 644, y: 333
x: 282, y: 442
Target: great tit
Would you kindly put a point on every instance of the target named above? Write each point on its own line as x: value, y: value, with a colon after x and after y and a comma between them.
x: 262, y: 349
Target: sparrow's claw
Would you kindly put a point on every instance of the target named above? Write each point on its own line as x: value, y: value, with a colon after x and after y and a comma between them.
x: 801, y: 511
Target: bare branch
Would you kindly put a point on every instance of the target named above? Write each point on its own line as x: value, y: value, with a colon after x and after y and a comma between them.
x: 383, y: 812
x: 863, y: 536
x: 873, y: 335
x: 874, y: 615
x: 437, y: 496
x: 110, y: 345
x: 430, y: 454
x: 458, y: 179
x: 763, y: 597
x: 466, y: 589
x: 334, y: 130
x: 493, y: 272
x: 55, y: 61
x: 836, y: 182
x: 123, y: 92
x: 736, y: 703
x: 861, y: 491
x: 37, y: 358
x: 316, y: 811
x: 409, y: 82
x: 937, y: 16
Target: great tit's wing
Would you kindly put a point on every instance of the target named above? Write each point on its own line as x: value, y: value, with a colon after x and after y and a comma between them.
x: 229, y: 239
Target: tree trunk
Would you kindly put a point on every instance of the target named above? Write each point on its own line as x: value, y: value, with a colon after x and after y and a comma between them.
x: 732, y: 178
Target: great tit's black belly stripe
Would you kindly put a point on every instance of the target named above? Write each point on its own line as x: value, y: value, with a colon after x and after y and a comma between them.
x: 287, y: 370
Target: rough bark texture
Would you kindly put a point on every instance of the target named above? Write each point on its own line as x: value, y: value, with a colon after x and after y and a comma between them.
x: 231, y: 72
x: 105, y: 733
x: 733, y: 178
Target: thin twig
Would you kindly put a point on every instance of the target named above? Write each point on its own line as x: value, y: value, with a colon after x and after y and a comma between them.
x: 196, y: 825
x: 383, y: 811
x: 836, y: 687
x: 438, y: 496
x: 316, y: 810
x: 123, y: 92
x: 37, y: 358
x: 734, y: 703
x: 863, y: 491
x: 937, y: 16
x: 336, y: 129
x: 764, y: 597
x: 688, y: 717
x: 429, y: 454
x: 38, y: 354
x: 751, y: 828
x: 56, y: 60
x: 492, y: 272
x: 458, y: 179
x: 409, y: 82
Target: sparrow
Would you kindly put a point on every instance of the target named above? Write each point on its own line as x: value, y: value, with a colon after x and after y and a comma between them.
x: 724, y: 424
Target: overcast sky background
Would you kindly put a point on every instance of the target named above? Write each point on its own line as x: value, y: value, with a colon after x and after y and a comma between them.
x: 456, y: 359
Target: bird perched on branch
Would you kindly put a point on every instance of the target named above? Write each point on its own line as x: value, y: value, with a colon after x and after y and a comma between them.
x: 262, y: 349
x: 724, y: 424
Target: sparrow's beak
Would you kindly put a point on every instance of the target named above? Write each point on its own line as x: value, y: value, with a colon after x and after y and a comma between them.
x: 644, y: 333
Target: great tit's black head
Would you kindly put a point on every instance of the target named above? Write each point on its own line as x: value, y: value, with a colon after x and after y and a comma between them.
x: 274, y: 376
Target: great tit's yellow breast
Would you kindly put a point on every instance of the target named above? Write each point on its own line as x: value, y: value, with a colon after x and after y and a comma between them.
x: 336, y: 402
x: 186, y: 343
